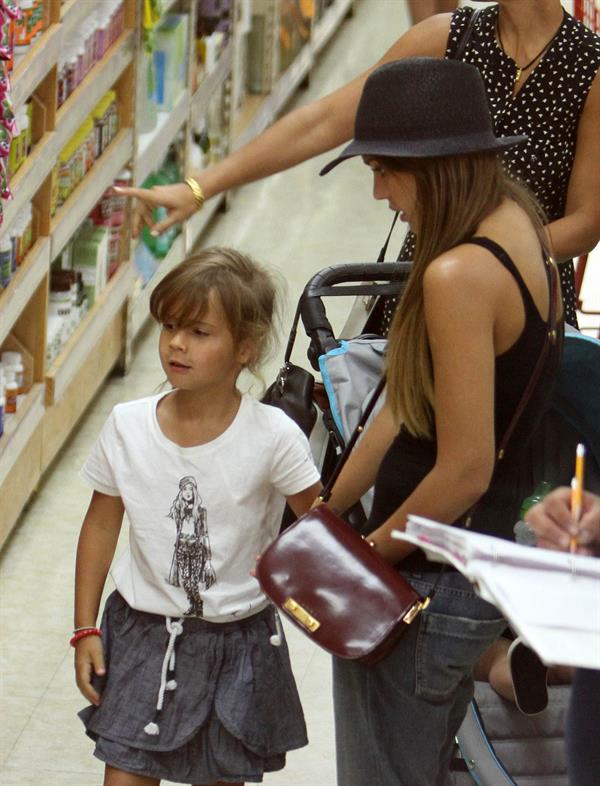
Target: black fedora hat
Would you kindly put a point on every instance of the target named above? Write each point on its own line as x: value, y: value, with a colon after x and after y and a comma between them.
x: 421, y: 107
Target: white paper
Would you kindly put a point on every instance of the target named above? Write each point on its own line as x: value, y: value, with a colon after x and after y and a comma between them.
x: 550, y: 598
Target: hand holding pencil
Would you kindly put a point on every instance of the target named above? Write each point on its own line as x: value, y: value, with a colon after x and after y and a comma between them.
x: 554, y: 525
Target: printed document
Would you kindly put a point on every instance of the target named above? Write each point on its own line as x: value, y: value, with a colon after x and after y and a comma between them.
x: 550, y: 598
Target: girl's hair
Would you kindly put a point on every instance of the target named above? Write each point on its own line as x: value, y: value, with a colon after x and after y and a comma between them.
x: 246, y: 292
x: 454, y: 194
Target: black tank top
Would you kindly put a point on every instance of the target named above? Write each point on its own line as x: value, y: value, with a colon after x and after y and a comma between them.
x: 410, y: 458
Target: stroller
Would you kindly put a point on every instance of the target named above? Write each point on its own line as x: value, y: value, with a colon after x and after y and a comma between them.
x: 496, y: 744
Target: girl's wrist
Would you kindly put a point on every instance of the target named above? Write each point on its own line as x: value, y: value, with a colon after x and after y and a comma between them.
x: 82, y: 634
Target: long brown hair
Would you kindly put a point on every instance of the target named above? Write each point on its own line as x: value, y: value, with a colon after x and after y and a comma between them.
x: 454, y: 194
x: 246, y: 291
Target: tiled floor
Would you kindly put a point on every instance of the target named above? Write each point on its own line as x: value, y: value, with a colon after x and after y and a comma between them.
x: 297, y: 223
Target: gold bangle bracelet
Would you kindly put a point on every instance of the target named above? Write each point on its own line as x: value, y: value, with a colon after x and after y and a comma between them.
x: 196, y: 191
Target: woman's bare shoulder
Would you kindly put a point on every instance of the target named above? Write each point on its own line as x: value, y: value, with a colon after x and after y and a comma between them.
x: 429, y: 38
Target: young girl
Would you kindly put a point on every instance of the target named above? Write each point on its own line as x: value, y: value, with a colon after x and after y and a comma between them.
x: 188, y: 677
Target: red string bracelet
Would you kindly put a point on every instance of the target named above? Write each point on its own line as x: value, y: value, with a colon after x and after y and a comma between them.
x: 81, y: 634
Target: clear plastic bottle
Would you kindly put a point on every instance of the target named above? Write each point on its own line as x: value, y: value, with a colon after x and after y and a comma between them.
x: 523, y: 532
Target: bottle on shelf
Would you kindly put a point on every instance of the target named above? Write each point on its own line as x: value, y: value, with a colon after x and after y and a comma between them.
x: 11, y: 391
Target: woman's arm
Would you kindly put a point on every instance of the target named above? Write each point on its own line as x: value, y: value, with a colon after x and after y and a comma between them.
x: 460, y: 328
x: 95, y: 551
x: 296, y: 137
x: 578, y: 231
x: 359, y: 472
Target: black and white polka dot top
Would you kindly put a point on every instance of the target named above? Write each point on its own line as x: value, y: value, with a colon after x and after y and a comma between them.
x: 546, y: 110
x: 547, y: 107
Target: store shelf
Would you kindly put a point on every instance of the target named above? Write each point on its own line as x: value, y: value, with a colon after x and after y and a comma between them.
x: 88, y: 192
x: 153, y: 145
x: 86, y: 338
x: 272, y: 104
x: 28, y: 179
x: 167, y: 6
x: 195, y: 226
x: 100, y: 79
x: 139, y: 307
x: 19, y: 428
x: 22, y: 287
x: 328, y: 24
x: 72, y: 14
x: 30, y: 71
x: 213, y: 81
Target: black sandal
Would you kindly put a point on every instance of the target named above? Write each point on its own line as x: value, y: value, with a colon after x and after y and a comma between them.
x: 529, y: 676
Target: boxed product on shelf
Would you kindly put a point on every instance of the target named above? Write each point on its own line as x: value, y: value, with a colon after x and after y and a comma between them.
x: 214, y: 23
x: 170, y: 60
x: 79, y: 154
x: 15, y: 244
x: 87, y: 45
x: 27, y: 27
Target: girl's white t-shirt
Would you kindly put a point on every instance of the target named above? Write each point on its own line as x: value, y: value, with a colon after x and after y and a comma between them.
x: 198, y: 516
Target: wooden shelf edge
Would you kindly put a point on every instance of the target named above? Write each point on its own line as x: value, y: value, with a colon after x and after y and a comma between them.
x: 153, y: 145
x: 22, y: 287
x: 275, y: 101
x: 26, y: 182
x: 326, y: 27
x: 138, y: 309
x: 72, y: 14
x: 213, y: 81
x: 42, y: 56
x: 100, y: 79
x: 20, y: 428
x: 69, y: 217
x: 84, y: 340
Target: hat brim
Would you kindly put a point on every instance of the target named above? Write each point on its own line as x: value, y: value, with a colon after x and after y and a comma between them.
x: 425, y: 148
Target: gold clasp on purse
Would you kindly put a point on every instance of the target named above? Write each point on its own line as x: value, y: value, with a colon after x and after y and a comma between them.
x: 414, y: 610
x: 301, y: 615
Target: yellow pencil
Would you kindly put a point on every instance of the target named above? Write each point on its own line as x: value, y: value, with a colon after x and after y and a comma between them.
x: 577, y: 491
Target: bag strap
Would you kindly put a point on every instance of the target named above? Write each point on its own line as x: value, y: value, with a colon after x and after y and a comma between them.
x: 467, y: 34
x: 382, y: 253
x: 292, y: 336
x: 549, y: 341
x: 326, y: 493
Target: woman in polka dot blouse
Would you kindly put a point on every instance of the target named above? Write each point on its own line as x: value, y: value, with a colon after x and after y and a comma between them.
x: 540, y: 68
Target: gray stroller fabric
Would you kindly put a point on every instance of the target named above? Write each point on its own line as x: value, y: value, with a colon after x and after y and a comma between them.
x: 350, y: 375
x: 530, y: 748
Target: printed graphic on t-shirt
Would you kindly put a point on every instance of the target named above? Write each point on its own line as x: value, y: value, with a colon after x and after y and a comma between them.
x: 191, y: 566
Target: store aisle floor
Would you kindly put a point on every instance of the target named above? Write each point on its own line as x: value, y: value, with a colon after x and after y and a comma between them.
x: 297, y: 223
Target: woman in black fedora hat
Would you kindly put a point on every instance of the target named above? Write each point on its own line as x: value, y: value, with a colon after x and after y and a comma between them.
x: 540, y: 68
x: 463, y: 345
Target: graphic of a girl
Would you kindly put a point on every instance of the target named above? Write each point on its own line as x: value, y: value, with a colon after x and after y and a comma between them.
x: 191, y: 566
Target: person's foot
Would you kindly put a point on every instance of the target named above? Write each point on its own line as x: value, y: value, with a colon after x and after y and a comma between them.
x: 529, y: 676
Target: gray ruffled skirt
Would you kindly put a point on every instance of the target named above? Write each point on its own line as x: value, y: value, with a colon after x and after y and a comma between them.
x: 230, y: 708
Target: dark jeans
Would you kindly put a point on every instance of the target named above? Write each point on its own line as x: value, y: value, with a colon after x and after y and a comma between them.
x: 396, y: 721
x: 583, y: 729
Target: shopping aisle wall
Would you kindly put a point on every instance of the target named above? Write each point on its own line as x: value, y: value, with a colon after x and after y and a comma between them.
x: 297, y: 223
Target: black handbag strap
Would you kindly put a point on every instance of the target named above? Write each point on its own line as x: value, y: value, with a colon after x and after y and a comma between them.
x: 467, y: 34
x: 384, y: 248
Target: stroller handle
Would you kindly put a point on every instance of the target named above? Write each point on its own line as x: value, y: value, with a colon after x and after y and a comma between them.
x: 363, y: 277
